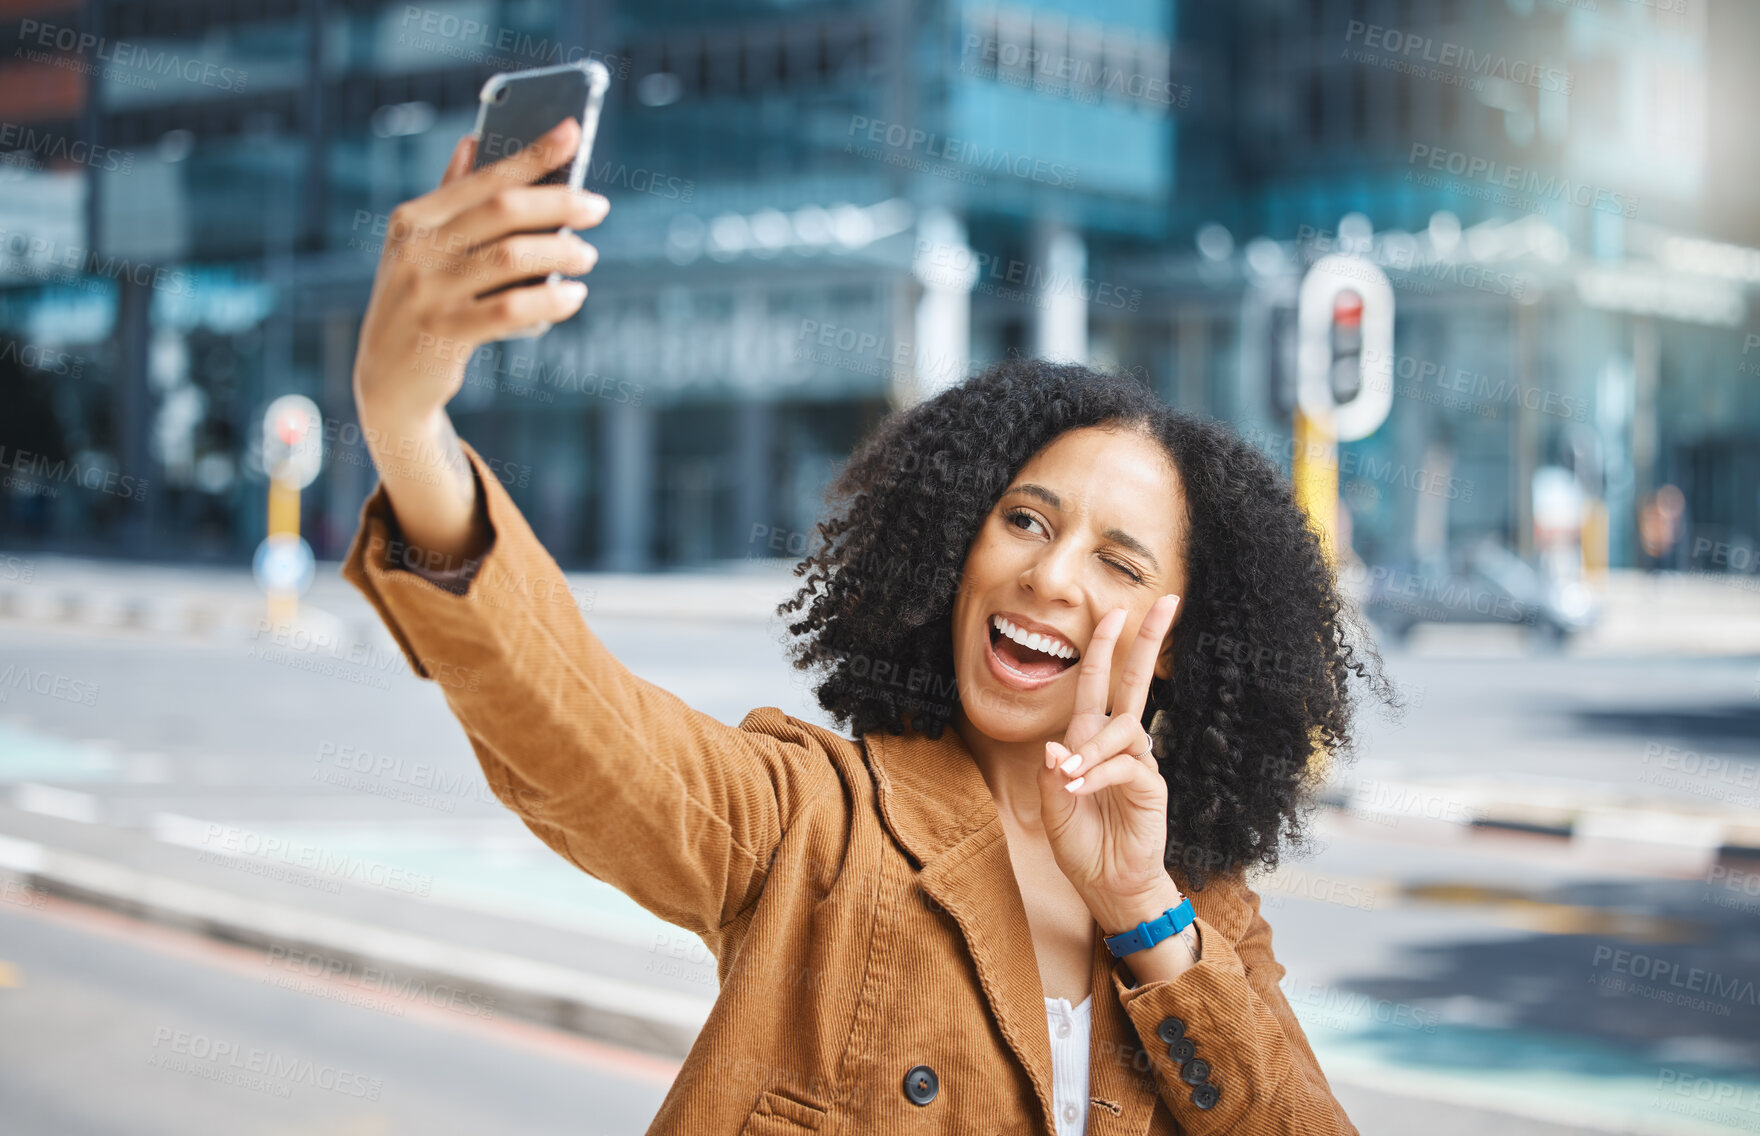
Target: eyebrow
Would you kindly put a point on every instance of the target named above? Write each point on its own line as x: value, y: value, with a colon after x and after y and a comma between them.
x: 1116, y: 536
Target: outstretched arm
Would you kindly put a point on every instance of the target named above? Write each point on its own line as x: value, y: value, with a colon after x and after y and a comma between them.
x: 435, y: 300
x: 666, y: 803
x: 676, y: 809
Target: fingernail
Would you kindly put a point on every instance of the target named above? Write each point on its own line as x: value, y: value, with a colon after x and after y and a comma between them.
x: 572, y: 289
x: 1069, y: 766
x: 1074, y: 785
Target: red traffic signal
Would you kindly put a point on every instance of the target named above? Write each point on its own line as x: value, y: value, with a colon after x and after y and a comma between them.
x: 1347, y: 309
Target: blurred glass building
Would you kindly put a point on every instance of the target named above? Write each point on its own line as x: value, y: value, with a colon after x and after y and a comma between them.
x: 823, y: 210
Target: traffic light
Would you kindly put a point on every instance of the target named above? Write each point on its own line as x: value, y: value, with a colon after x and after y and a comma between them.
x: 1347, y: 345
x: 1344, y: 321
x: 1344, y: 378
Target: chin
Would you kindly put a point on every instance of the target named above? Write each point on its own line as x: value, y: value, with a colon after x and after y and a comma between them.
x: 1011, y: 716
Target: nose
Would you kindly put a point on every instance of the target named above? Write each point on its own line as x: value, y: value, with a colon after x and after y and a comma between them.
x: 1055, y: 573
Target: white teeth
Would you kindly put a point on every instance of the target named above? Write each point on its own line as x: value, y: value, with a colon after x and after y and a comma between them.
x: 1034, y: 641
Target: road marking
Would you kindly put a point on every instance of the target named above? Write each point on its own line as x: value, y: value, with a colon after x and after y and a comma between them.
x: 1521, y: 908
x: 52, y: 800
x: 546, y: 1041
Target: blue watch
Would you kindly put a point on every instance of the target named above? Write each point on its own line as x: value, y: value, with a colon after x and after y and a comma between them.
x: 1149, y: 932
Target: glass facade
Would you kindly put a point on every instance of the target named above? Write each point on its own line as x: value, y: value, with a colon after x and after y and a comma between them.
x: 824, y: 210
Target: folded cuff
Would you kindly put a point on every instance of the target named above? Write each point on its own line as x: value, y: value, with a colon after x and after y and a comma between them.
x: 384, y: 567
x: 1207, y: 1006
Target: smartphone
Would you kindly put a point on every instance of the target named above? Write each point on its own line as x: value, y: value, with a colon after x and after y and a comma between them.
x: 516, y: 108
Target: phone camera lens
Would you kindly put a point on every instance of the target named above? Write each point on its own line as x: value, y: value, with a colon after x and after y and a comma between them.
x: 500, y: 95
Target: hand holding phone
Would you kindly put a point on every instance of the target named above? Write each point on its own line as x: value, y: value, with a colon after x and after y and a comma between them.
x: 439, y: 290
x: 515, y: 108
x: 442, y: 289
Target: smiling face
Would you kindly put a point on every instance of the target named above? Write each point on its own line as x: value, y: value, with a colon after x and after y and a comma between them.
x: 1089, y: 524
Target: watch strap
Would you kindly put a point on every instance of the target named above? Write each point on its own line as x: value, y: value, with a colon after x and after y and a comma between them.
x: 1151, y: 931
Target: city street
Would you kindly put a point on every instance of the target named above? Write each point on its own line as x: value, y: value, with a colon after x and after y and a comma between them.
x: 1441, y: 316
x: 113, y: 1026
x: 1445, y: 974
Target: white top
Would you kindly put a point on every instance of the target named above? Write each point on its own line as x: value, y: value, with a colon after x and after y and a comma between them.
x: 1069, y: 1027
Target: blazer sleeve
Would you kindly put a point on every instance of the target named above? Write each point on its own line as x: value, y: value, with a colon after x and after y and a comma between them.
x: 1230, y: 1007
x: 676, y: 809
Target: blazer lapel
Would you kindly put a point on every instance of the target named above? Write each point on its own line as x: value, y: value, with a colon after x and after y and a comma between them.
x: 938, y: 807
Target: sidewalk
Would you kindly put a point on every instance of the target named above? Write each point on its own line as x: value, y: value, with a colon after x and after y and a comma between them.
x: 1674, y: 613
x: 1639, y: 613
x: 225, y: 603
x: 646, y: 989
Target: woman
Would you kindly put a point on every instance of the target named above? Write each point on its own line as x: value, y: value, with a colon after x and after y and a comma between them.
x: 1035, y: 919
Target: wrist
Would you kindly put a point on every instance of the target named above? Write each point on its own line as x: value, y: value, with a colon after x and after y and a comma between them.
x: 1168, y: 958
x: 1118, y: 914
x: 384, y: 428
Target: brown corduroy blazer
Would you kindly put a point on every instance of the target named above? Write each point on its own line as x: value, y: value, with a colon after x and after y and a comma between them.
x: 858, y: 896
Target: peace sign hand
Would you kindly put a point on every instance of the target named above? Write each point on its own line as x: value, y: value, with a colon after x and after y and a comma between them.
x: 1101, y: 794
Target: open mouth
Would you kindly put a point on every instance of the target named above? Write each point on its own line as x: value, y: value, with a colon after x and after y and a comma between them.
x: 1029, y: 654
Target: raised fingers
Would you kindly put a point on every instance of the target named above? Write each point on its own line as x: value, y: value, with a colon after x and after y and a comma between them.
x: 528, y: 208
x: 522, y: 167
x: 517, y: 258
x: 1094, y: 679
x: 1139, y: 663
x: 499, y: 316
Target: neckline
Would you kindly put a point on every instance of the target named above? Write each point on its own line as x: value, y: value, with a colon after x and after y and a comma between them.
x: 1052, y: 1003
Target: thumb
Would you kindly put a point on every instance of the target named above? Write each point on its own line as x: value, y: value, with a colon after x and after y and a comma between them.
x: 460, y: 163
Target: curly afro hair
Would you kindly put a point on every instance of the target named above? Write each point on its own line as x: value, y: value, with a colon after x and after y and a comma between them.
x: 1261, y: 653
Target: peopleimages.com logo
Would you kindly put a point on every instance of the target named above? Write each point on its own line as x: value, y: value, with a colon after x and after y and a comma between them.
x: 1459, y: 63
x: 116, y: 53
x: 1537, y: 186
x: 904, y: 141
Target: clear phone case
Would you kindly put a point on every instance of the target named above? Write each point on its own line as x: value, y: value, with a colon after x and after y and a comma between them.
x: 514, y: 108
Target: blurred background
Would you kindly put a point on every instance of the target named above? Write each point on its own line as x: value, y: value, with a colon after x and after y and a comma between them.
x: 252, y: 878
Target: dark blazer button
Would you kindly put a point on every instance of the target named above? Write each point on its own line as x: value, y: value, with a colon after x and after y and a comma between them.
x: 1182, y: 1050
x: 1206, y: 1095
x: 1170, y: 1030
x: 921, y: 1084
x: 1195, y: 1071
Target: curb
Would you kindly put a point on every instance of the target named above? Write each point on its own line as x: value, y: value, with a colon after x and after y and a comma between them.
x: 607, y: 1009
x: 1582, y: 814
x: 225, y: 604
